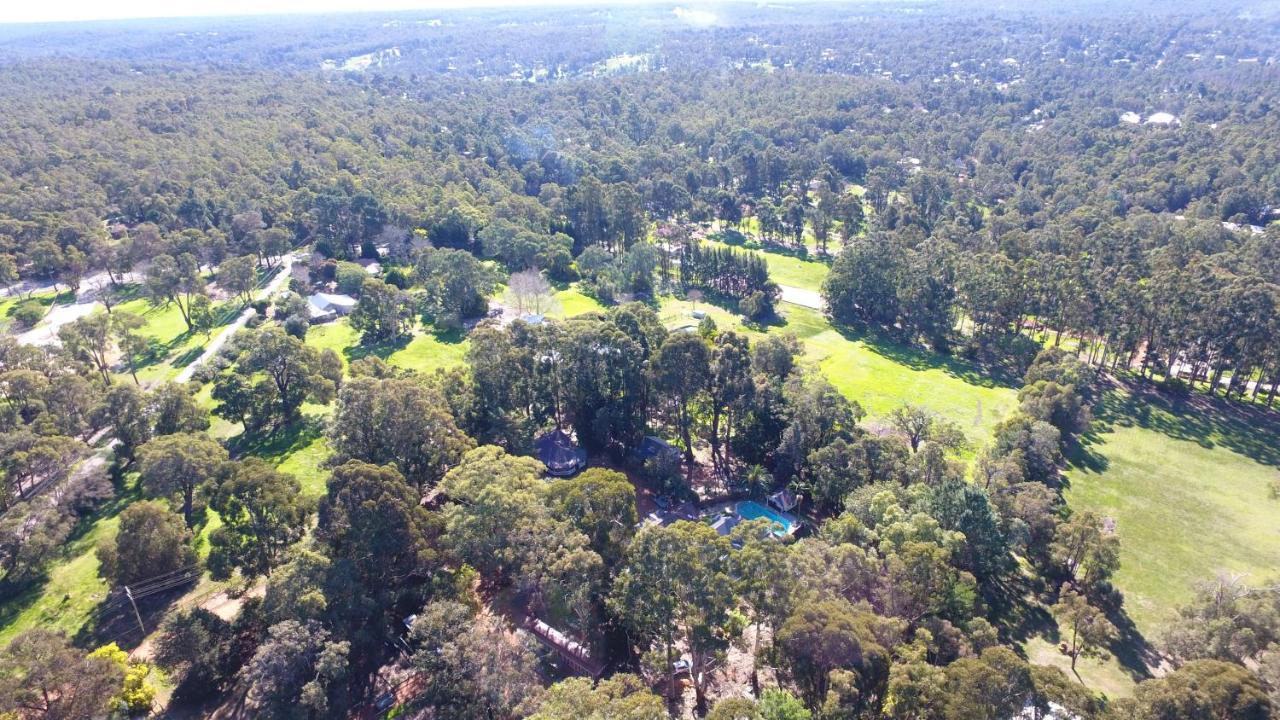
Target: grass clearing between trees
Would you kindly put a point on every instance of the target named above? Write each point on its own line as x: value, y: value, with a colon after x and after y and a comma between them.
x: 69, y: 599
x: 879, y: 375
x: 882, y: 376
x: 573, y: 301
x: 1100, y: 675
x: 425, y: 352
x: 1187, y: 482
x: 172, y: 344
x: 430, y: 351
x: 788, y: 269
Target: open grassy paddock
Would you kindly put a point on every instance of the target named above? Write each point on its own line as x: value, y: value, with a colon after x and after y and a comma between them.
x: 789, y: 269
x: 1187, y: 482
x: 879, y: 375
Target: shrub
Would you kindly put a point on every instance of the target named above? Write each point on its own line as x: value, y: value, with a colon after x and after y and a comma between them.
x: 398, y: 278
x: 350, y: 278
x: 205, y: 373
x: 28, y: 313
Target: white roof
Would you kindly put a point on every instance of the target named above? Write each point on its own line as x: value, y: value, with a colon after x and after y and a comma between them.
x: 328, y: 300
x: 1162, y: 118
x: 321, y: 304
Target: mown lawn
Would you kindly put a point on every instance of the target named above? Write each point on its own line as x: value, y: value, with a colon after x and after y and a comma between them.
x: 173, y: 347
x: 879, y: 375
x: 337, y: 336
x: 1188, y: 485
x: 428, y: 352
x: 425, y: 352
x: 882, y: 376
x: 789, y: 270
x: 573, y: 301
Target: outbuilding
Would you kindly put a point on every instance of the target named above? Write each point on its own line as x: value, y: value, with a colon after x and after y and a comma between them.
x: 327, y: 306
x: 560, y: 454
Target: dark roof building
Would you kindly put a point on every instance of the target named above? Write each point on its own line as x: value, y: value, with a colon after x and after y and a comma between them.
x: 560, y: 454
x: 725, y: 524
x: 652, y: 447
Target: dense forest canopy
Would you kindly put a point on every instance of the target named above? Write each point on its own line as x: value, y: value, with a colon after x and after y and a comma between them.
x: 500, y: 363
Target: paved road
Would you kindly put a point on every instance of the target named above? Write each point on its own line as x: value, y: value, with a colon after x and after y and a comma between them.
x: 802, y: 297
x: 282, y: 276
x: 47, y: 331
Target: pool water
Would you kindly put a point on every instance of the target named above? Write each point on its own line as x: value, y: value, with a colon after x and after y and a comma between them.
x: 784, y: 524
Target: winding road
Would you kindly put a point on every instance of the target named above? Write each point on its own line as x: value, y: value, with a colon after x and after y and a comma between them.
x: 282, y: 276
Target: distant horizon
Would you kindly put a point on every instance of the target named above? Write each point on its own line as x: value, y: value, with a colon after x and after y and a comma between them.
x: 77, y: 11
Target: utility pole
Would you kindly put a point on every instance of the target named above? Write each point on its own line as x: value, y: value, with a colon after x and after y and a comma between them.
x: 141, y: 628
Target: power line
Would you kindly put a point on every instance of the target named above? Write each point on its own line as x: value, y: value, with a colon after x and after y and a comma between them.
x: 162, y: 577
x: 147, y: 583
x: 157, y: 589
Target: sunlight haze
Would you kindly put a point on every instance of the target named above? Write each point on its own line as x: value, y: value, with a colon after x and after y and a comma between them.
x: 81, y: 10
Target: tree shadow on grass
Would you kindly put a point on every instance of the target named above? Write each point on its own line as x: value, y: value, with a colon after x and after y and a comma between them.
x: 382, y: 350
x: 114, y: 619
x: 918, y: 358
x: 1028, y: 616
x: 1132, y: 651
x: 187, y: 357
x: 19, y: 598
x: 449, y: 336
x: 280, y: 442
x: 158, y: 352
x: 1209, y: 422
x: 1018, y: 617
x: 1080, y: 453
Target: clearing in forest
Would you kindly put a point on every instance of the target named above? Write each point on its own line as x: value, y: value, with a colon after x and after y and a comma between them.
x: 1188, y: 483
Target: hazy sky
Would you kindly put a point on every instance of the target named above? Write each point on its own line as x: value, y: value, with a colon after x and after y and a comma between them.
x: 61, y: 10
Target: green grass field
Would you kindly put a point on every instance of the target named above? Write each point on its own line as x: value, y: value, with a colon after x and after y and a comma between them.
x: 337, y: 336
x: 426, y: 351
x: 573, y: 301
x: 789, y: 270
x: 882, y: 376
x: 173, y: 346
x: 1188, y: 484
x: 879, y: 375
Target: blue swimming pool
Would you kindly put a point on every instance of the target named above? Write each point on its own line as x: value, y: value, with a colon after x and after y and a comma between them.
x: 784, y: 524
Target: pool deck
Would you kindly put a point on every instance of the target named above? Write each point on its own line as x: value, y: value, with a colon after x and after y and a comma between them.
x: 793, y: 523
